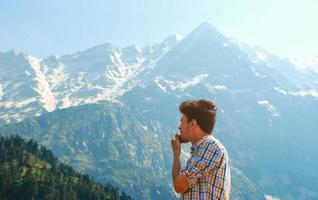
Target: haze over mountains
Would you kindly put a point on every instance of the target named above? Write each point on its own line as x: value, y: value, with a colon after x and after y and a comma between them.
x: 267, y: 110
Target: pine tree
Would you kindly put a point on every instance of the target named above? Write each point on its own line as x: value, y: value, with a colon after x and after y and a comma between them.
x: 22, y: 178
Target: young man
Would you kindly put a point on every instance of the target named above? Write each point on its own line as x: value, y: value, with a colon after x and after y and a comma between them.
x: 207, y: 173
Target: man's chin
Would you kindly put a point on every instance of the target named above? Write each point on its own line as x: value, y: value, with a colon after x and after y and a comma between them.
x: 182, y: 140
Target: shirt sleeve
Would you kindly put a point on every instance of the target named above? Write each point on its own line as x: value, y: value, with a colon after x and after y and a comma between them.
x: 206, y: 159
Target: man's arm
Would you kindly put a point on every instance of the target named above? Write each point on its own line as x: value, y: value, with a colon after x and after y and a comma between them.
x: 180, y: 182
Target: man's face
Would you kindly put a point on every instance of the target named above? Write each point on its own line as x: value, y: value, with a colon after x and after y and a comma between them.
x: 185, y: 129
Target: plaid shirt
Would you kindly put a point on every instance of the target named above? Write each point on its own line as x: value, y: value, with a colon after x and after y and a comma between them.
x: 207, y: 171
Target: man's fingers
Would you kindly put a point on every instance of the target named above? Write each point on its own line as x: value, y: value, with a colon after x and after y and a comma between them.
x: 176, y: 136
x: 174, y: 140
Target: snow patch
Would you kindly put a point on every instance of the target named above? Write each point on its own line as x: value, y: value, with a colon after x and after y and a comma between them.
x: 177, y: 85
x: 25, y: 102
x: 132, y: 149
x: 269, y: 107
x: 302, y: 93
x: 220, y: 87
x: 43, y: 87
x: 57, y: 77
x: 17, y: 104
x: 1, y: 92
x: 193, y: 82
x: 269, y: 197
x: 261, y: 56
x: 7, y: 104
x: 11, y: 117
x: 66, y: 102
x: 121, y: 77
x: 157, y: 81
x: 27, y: 72
x: 179, y: 37
x: 27, y: 110
x: 144, y: 127
x: 256, y: 73
x: 280, y: 90
x: 212, y: 88
x: 6, y: 118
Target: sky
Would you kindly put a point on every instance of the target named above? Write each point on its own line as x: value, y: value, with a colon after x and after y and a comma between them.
x: 42, y: 27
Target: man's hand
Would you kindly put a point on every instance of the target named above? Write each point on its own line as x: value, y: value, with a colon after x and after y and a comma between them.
x: 180, y: 182
x: 176, y: 145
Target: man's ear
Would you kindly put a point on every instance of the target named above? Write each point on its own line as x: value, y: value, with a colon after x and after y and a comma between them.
x: 193, y: 123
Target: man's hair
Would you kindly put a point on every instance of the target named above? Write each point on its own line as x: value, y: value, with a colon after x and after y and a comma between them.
x: 203, y: 111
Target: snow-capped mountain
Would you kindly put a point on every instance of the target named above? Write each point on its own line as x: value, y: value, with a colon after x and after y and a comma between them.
x: 263, y: 106
x: 30, y: 86
x: 265, y: 102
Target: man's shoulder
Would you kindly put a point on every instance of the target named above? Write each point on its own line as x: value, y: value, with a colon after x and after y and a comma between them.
x: 213, y: 144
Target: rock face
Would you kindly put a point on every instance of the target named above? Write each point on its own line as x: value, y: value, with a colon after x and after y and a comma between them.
x: 266, y: 108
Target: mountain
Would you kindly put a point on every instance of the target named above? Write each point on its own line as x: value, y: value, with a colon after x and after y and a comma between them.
x: 264, y: 108
x: 30, y: 171
x: 266, y: 104
x: 106, y: 142
x: 30, y: 86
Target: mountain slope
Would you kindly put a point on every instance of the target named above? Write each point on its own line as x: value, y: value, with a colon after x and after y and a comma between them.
x: 30, y: 86
x: 264, y: 115
x: 30, y: 171
x: 106, y: 142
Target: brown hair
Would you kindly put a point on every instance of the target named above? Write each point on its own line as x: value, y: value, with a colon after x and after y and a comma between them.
x: 203, y: 111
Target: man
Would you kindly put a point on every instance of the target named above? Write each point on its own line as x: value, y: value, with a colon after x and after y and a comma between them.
x: 207, y: 173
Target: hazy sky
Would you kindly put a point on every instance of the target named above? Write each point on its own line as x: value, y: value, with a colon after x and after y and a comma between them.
x: 43, y: 27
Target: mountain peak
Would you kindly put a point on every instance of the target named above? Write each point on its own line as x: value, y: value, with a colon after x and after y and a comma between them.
x: 206, y: 32
x: 13, y: 53
x: 95, y: 50
x: 205, y: 28
x: 172, y: 40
